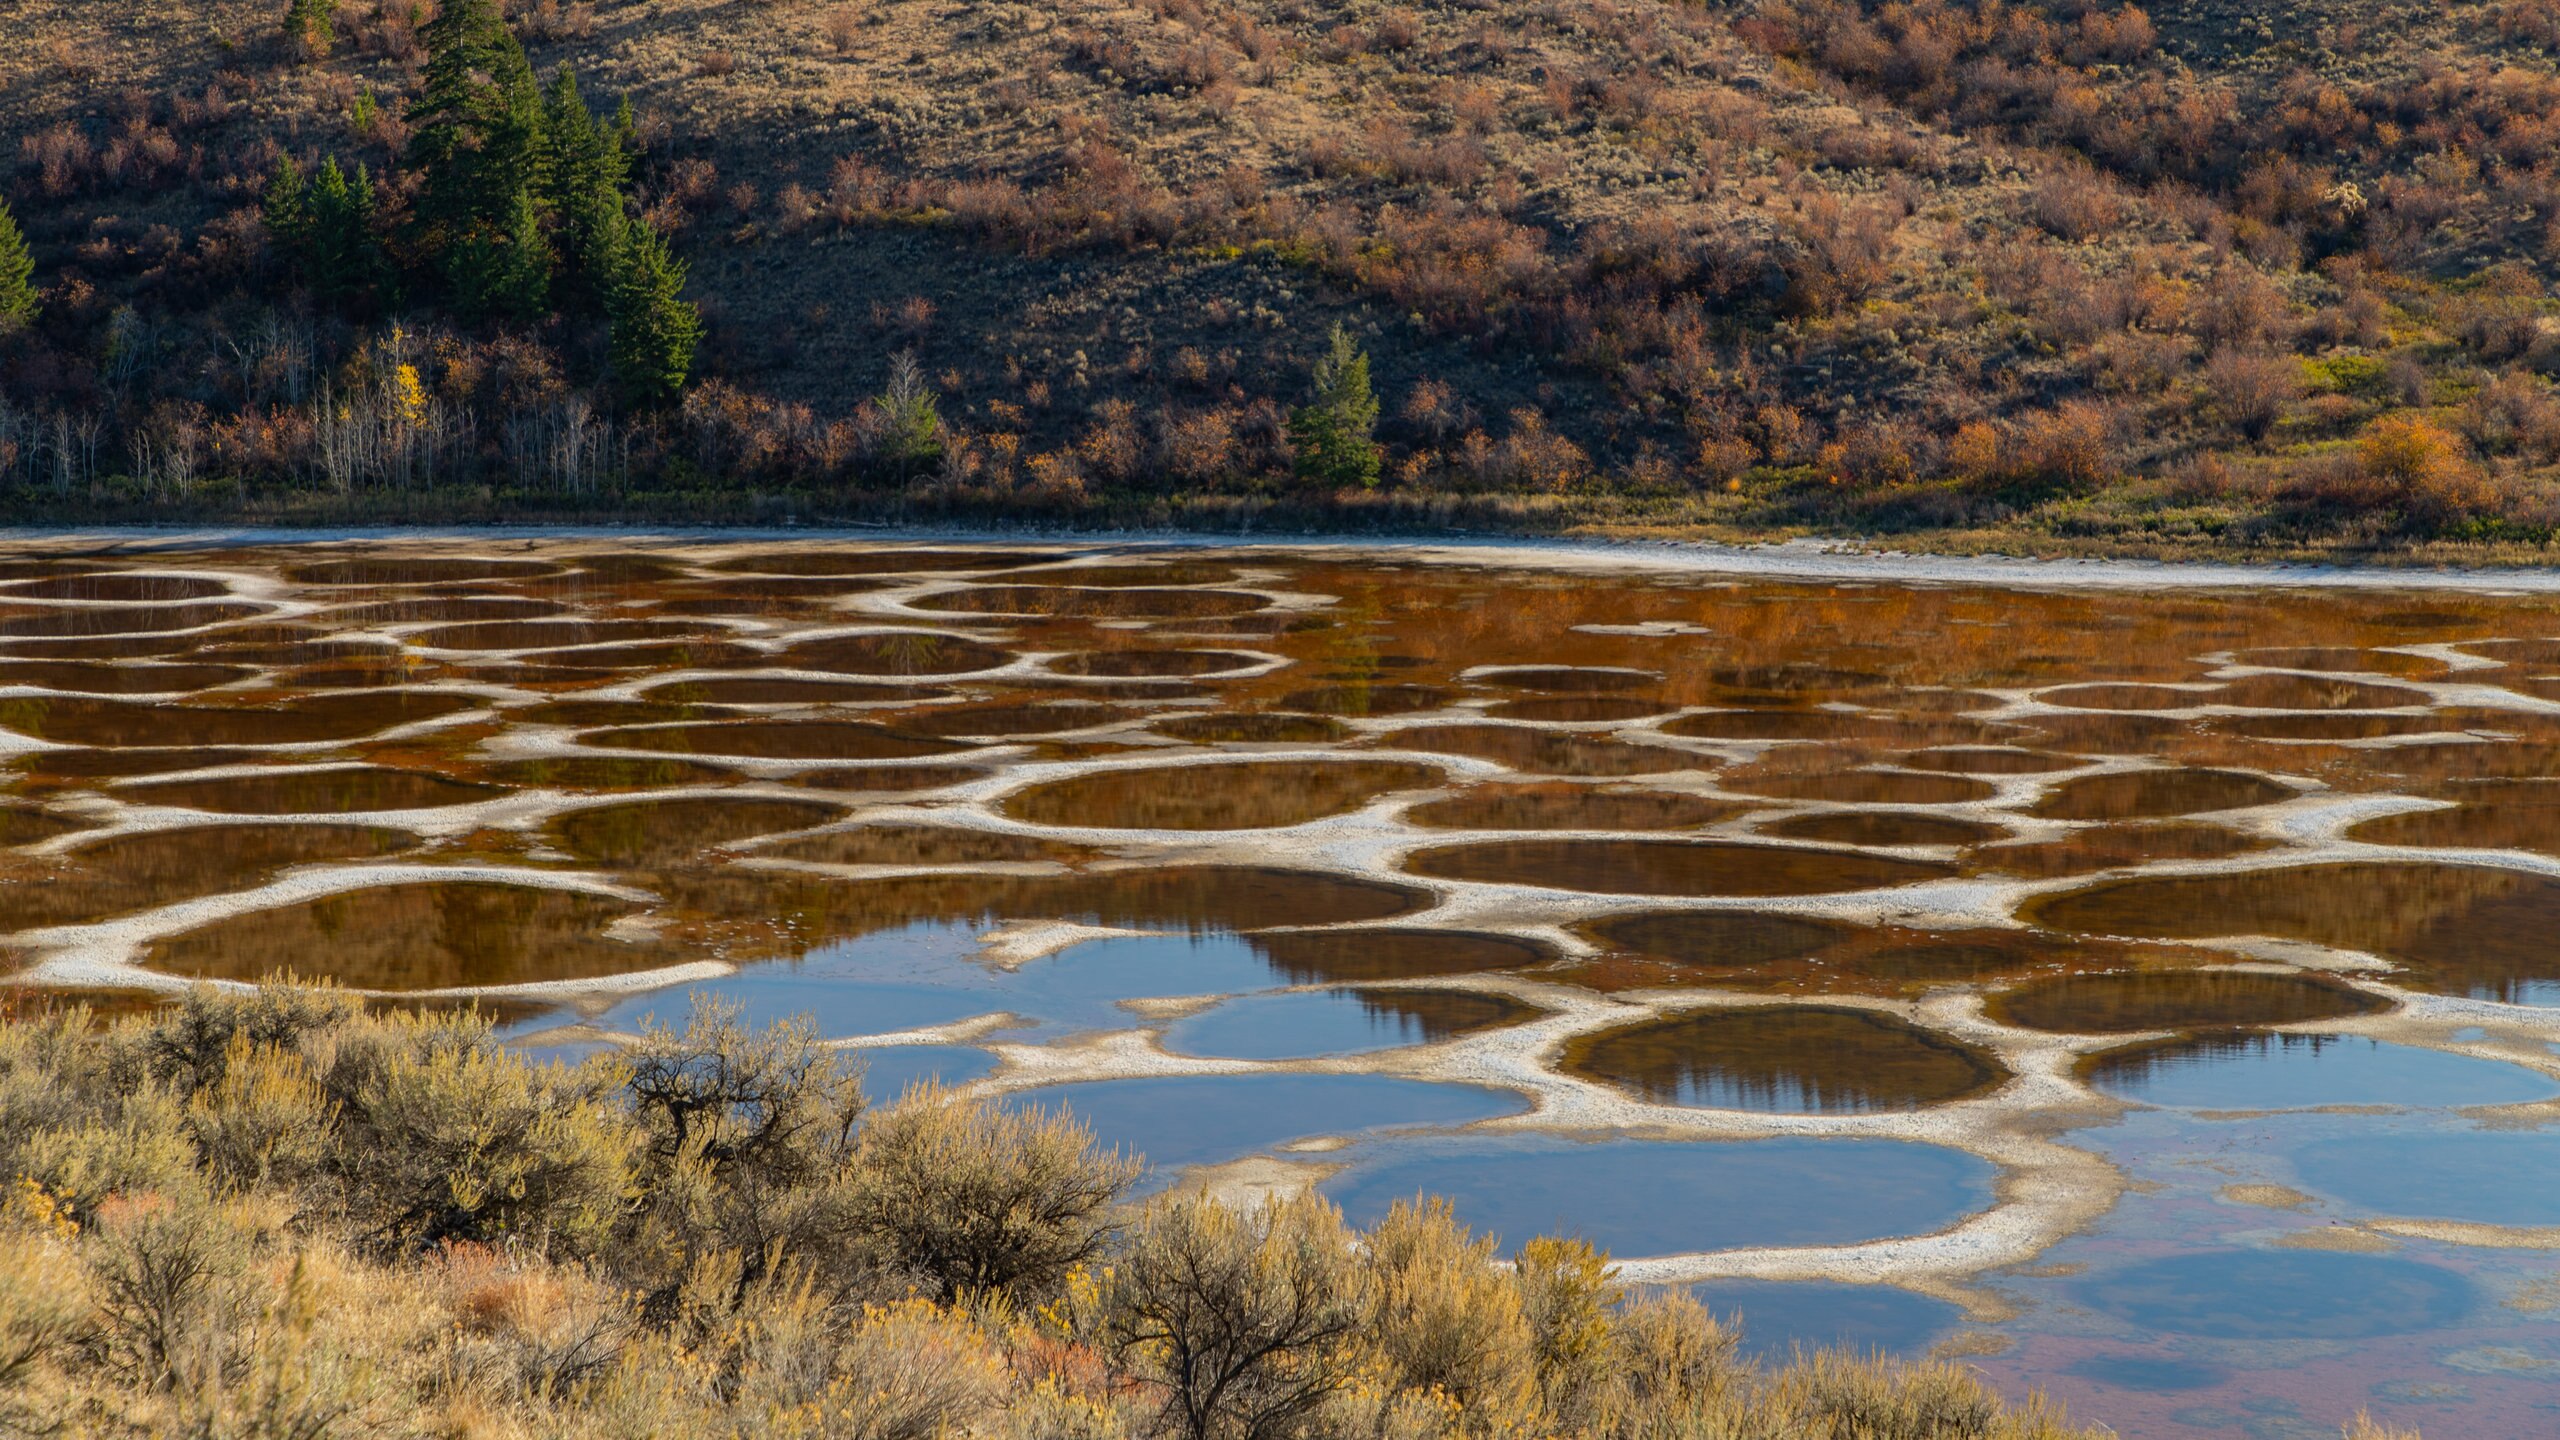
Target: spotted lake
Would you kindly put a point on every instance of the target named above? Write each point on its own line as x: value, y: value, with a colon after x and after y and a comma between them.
x: 2147, y: 992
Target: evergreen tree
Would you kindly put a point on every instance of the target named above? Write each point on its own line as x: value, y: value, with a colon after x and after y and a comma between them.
x: 655, y: 328
x: 477, y: 147
x: 1333, y: 432
x: 521, y: 275
x: 312, y: 24
x: 584, y: 170
x: 286, y: 207
x: 341, y: 254
x: 18, y: 304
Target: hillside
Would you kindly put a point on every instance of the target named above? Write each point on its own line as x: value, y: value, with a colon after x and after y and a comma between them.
x: 2252, y: 275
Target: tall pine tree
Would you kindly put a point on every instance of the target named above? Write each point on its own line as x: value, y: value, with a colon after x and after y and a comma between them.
x: 18, y: 304
x: 477, y: 145
x: 655, y: 328
x: 584, y: 169
x: 341, y: 255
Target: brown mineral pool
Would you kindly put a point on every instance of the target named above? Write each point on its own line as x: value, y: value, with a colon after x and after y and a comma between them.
x: 2117, y: 847
x: 1298, y: 1025
x: 147, y: 869
x: 137, y: 620
x: 1098, y: 603
x: 2099, y: 733
x: 1989, y: 760
x: 774, y: 740
x: 857, y: 561
x: 1249, y: 795
x: 1564, y: 679
x: 2328, y: 725
x: 414, y: 570
x: 588, y: 713
x: 1176, y: 573
x: 648, y: 834
x: 1883, y: 827
x: 2464, y: 930
x: 1307, y: 957
x: 548, y: 634
x: 604, y: 772
x: 907, y: 844
x: 1868, y: 787
x: 2152, y: 794
x: 2307, y: 692
x: 1557, y: 805
x: 1546, y: 752
x: 95, y: 764
x: 1360, y: 699
x: 420, y: 609
x: 1717, y: 939
x: 113, y: 587
x: 794, y: 911
x: 1152, y: 664
x: 1258, y: 728
x: 1577, y: 709
x: 1669, y: 867
x: 890, y: 779
x: 22, y: 826
x: 2344, y: 659
x: 2517, y: 815
x: 428, y: 935
x: 893, y: 652
x: 125, y: 679
x: 1786, y: 725
x: 335, y: 790
x: 2123, y: 1002
x: 2130, y: 697
x: 1787, y: 1059
x: 997, y: 721
x: 751, y: 690
x: 82, y: 721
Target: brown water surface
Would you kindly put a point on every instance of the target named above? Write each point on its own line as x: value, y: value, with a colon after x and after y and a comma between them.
x: 1546, y: 752
x: 650, y: 834
x: 2153, y: 794
x: 304, y: 790
x: 425, y: 935
x: 1806, y: 1059
x: 2126, y: 1002
x: 1669, y: 867
x: 1558, y: 805
x: 775, y: 740
x: 1239, y: 796
x: 125, y: 873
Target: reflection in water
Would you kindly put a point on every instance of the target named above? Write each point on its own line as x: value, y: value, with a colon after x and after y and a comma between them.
x: 774, y: 740
x: 1668, y: 867
x: 1217, y: 797
x: 2245, y: 1070
x: 1543, y: 752
x: 1301, y: 1024
x: 126, y: 873
x: 340, y: 790
x: 2150, y: 794
x: 1561, y: 805
x: 2124, y: 1002
x: 1633, y: 1198
x: 650, y: 833
x: 1790, y: 1059
x: 2461, y: 930
x: 418, y: 935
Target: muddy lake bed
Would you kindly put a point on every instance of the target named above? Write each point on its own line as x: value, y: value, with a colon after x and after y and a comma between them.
x: 2146, y: 992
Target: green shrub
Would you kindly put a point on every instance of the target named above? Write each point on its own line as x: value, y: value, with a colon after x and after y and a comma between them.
x: 970, y: 1197
x: 1242, y: 1323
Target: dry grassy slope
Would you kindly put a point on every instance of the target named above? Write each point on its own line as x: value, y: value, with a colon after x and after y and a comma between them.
x: 1706, y: 135
x: 1678, y: 122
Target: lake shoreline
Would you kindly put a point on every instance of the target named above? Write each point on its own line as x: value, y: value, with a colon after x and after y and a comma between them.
x: 1896, y: 559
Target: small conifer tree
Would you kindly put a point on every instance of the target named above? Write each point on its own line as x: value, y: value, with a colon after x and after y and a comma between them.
x: 1332, y: 433
x: 286, y: 207
x: 312, y: 25
x: 583, y: 173
x: 655, y: 329
x: 18, y: 303
x: 911, y: 437
x: 477, y: 146
x: 341, y: 254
